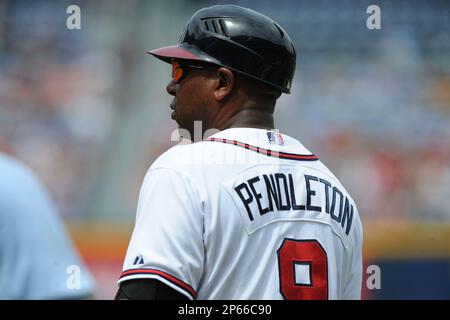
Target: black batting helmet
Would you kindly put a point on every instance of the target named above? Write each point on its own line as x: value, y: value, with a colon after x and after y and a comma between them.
x: 240, y: 39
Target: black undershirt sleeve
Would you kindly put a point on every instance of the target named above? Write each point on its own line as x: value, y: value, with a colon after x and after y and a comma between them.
x: 147, y: 289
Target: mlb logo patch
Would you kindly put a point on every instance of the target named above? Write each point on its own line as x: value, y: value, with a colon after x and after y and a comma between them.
x: 275, y: 138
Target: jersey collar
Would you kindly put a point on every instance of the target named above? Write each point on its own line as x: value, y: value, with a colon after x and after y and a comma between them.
x: 262, y: 138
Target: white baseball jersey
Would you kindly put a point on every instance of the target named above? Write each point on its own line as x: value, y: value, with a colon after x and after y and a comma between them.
x: 247, y: 214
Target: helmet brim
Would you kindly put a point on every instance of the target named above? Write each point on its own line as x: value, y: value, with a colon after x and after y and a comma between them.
x: 177, y: 51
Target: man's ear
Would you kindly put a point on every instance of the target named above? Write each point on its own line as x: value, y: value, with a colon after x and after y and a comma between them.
x: 225, y: 84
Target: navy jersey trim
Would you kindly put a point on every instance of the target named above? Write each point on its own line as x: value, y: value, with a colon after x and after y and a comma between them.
x: 266, y: 152
x: 148, y: 271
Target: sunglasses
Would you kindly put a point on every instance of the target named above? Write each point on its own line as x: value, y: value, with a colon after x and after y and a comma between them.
x: 181, y: 70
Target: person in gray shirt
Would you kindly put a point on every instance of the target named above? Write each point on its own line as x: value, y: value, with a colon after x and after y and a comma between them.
x: 37, y: 258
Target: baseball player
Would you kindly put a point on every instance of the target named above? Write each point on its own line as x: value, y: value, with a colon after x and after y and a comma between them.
x: 247, y: 213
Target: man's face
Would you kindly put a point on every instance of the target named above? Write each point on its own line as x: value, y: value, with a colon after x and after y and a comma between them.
x: 192, y: 87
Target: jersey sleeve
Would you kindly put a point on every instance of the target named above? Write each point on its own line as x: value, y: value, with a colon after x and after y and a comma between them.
x: 167, y: 241
x: 352, y: 290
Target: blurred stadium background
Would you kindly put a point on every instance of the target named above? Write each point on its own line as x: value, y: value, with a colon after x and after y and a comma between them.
x: 88, y: 111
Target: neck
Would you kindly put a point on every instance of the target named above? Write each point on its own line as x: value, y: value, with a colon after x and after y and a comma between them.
x: 248, y: 113
x: 250, y: 118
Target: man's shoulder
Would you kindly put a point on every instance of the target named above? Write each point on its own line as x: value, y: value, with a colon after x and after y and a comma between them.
x: 191, y: 155
x: 12, y: 166
x: 15, y: 175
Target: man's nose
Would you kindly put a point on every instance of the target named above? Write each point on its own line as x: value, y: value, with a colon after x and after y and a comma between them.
x: 171, y: 87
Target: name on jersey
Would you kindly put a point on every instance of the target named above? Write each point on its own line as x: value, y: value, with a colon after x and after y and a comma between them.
x: 273, y: 194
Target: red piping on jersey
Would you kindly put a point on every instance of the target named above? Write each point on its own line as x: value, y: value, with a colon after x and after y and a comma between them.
x: 164, y: 275
x: 270, y: 153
